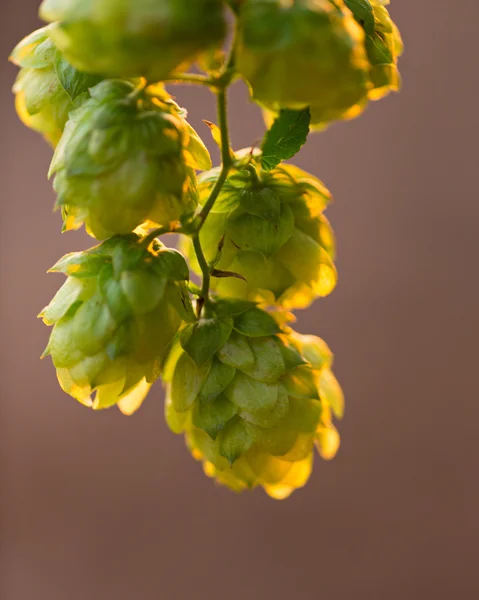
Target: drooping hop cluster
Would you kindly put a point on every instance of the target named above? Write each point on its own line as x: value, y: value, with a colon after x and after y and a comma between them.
x: 125, y: 161
x: 252, y: 397
x: 251, y: 400
x: 114, y: 318
x: 135, y: 37
x: 272, y: 232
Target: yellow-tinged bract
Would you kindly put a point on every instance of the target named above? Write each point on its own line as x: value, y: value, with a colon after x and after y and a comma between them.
x: 269, y: 228
x: 383, y: 44
x: 252, y: 400
x: 131, y: 38
x: 114, y: 319
x: 126, y: 159
x: 47, y: 87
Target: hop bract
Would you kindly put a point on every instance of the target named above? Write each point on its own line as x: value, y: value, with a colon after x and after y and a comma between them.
x: 268, y: 232
x: 304, y: 53
x: 125, y: 159
x: 134, y: 37
x: 383, y: 44
x: 251, y: 400
x: 47, y: 87
x: 114, y: 318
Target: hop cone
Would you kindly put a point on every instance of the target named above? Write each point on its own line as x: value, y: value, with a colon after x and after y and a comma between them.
x: 114, y: 319
x: 304, y: 53
x: 383, y: 44
x: 47, y: 87
x: 134, y: 37
x: 125, y: 160
x: 267, y: 227
x: 252, y: 401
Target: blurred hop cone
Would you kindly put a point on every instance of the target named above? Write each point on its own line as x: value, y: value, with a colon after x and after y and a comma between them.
x: 131, y: 38
x: 268, y: 228
x: 114, y: 319
x: 47, y: 87
x: 125, y: 160
x: 383, y: 44
x: 251, y: 399
x: 304, y: 53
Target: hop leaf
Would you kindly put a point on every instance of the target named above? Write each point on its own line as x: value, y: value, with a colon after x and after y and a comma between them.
x: 253, y: 410
x: 113, y: 321
x: 135, y: 37
x: 285, y: 138
x: 274, y: 235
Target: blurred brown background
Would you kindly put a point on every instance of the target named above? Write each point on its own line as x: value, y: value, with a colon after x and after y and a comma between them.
x: 101, y: 506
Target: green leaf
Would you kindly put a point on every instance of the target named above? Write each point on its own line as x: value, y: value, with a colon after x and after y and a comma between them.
x: 204, y: 338
x: 186, y: 383
x: 235, y: 439
x: 363, y: 13
x: 79, y: 264
x: 213, y: 416
x: 219, y: 378
x: 66, y: 296
x: 231, y: 307
x: 74, y: 82
x: 269, y: 365
x: 256, y: 323
x: 237, y: 352
x: 251, y: 395
x: 285, y: 138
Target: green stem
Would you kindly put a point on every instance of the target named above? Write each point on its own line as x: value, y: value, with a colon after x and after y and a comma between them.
x: 227, y: 162
x: 193, y: 78
x: 146, y: 241
x: 205, y: 270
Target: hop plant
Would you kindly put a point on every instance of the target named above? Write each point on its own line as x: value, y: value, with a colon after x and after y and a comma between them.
x: 268, y: 230
x: 252, y: 397
x: 134, y: 37
x: 114, y: 318
x: 47, y: 88
x: 251, y: 400
x: 384, y: 45
x: 304, y: 53
x: 125, y: 160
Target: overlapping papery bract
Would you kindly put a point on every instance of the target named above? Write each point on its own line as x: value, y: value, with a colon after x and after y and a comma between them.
x: 384, y: 45
x: 115, y: 318
x: 47, y: 87
x: 126, y: 159
x: 130, y: 38
x: 304, y: 53
x: 252, y: 400
x: 269, y: 228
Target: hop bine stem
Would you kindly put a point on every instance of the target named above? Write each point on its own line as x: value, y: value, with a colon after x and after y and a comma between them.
x: 226, y: 159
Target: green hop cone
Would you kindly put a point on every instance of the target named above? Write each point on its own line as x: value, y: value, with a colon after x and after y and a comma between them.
x: 383, y: 44
x: 47, y: 87
x: 268, y: 232
x: 252, y: 400
x: 301, y: 53
x: 131, y: 38
x: 114, y: 319
x: 126, y: 159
